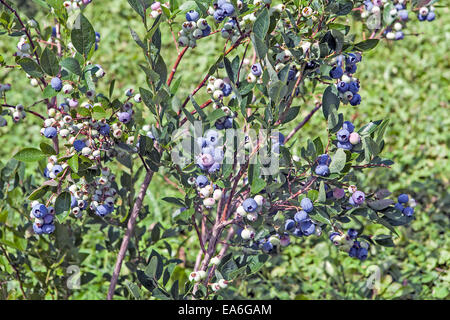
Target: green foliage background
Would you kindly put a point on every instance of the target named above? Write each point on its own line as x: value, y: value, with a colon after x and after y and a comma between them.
x: 406, y: 81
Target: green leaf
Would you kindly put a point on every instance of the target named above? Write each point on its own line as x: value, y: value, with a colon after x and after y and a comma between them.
x: 73, y: 163
x: 62, y: 205
x: 338, y: 161
x: 291, y: 114
x: 49, y: 62
x: 257, y: 185
x: 71, y: 65
x: 322, y: 195
x: 330, y: 99
x: 49, y: 92
x: 134, y: 289
x: 31, y: 67
x: 29, y: 155
x: 261, y: 25
x: 138, y: 6
x: 47, y: 149
x: 366, y: 45
x: 259, y: 45
x: 380, y: 204
x: 98, y: 113
x: 83, y: 35
x: 38, y: 193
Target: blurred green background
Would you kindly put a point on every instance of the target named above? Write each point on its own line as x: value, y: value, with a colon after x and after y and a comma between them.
x: 406, y: 81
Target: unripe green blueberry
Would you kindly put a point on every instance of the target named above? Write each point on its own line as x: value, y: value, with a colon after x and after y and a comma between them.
x: 354, y: 138
x: 218, y: 95
x: 248, y: 233
x: 209, y: 202
x: 252, y: 216
x: 183, y: 41
x: 215, y: 261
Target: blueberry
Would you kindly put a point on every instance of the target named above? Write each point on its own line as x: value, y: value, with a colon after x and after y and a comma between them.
x: 343, y: 135
x: 219, y: 125
x: 399, y: 207
x: 322, y: 170
x: 306, y: 204
x: 267, y: 247
x: 403, y: 198
x: 332, y: 235
x: 201, y: 181
x: 403, y: 15
x: 336, y: 72
x: 342, y: 86
x: 276, y: 148
x: 297, y: 232
x: 431, y: 16
x: 300, y: 216
x: 124, y: 117
x: 358, y: 197
x: 324, y: 159
x: 355, y: 100
x: 344, y: 145
x: 227, y: 89
x: 56, y: 84
x: 281, y: 138
x: 37, y: 230
x: 292, y: 73
x: 46, y: 172
x: 353, y: 87
x: 50, y: 132
x: 368, y: 5
x: 256, y: 69
x: 289, y: 225
x: 212, y: 137
x: 350, y: 68
x: 48, y: 228
x: 399, y: 35
x: 307, y: 227
x: 104, y: 130
x: 79, y: 145
x: 219, y: 15
x: 206, y: 31
x: 54, y: 32
x: 352, y: 233
x: 39, y: 210
x: 228, y: 124
x: 408, y: 211
x: 348, y: 126
x: 421, y: 18
x: 353, y: 252
x: 351, y: 59
x: 57, y: 169
x: 214, y: 168
x: 250, y: 205
x: 228, y: 9
x: 102, y: 210
x: 362, y: 254
x: 192, y: 15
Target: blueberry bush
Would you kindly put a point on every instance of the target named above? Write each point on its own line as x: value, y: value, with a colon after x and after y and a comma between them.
x: 194, y: 149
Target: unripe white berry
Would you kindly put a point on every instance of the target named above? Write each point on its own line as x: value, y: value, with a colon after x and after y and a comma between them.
x: 223, y: 283
x: 217, y: 195
x: 209, y: 202
x: 215, y: 261
x: 248, y: 233
x: 86, y: 151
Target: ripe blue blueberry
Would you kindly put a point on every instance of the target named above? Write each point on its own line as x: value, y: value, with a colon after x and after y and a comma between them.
x: 37, y: 229
x: 50, y: 132
x: 403, y: 15
x: 206, y: 31
x: 344, y: 145
x: 408, y: 211
x: 351, y: 59
x: 353, y: 252
x: 342, y: 86
x: 212, y: 137
x: 324, y: 159
x: 267, y: 247
x: 256, y: 69
x: 57, y: 169
x: 399, y: 35
x: 102, y: 210
x: 352, y: 233
x: 322, y: 170
x: 250, y: 205
x: 228, y: 124
x: 201, y: 181
x: 353, y: 87
x: 228, y: 9
x: 219, y: 15
x: 348, y: 126
x: 300, y: 216
x: 336, y: 72
x: 332, y: 235
x: 192, y: 15
x: 306, y: 204
x: 39, y: 211
x: 104, y: 130
x: 358, y: 197
x: 421, y: 18
x: 48, y: 228
x: 343, y: 135
x: 431, y: 16
x: 124, y: 117
x: 56, y: 84
x: 355, y: 100
x: 289, y: 225
x: 214, y: 168
x: 79, y: 145
x: 227, y: 89
x: 307, y: 227
x: 403, y: 198
x: 362, y: 254
x: 368, y: 5
x: 297, y: 232
x: 399, y: 207
x: 48, y: 219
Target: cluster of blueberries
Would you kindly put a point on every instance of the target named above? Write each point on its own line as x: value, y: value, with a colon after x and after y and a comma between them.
x: 222, y: 9
x: 211, y: 155
x: 43, y: 218
x: 193, y: 29
x: 401, y: 205
x: 52, y: 169
x: 218, y: 88
x: 322, y: 168
x: 347, y: 86
x: 350, y: 244
x: 302, y: 225
x: 347, y: 137
x: 209, y: 192
x: 230, y: 30
x: 426, y: 14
